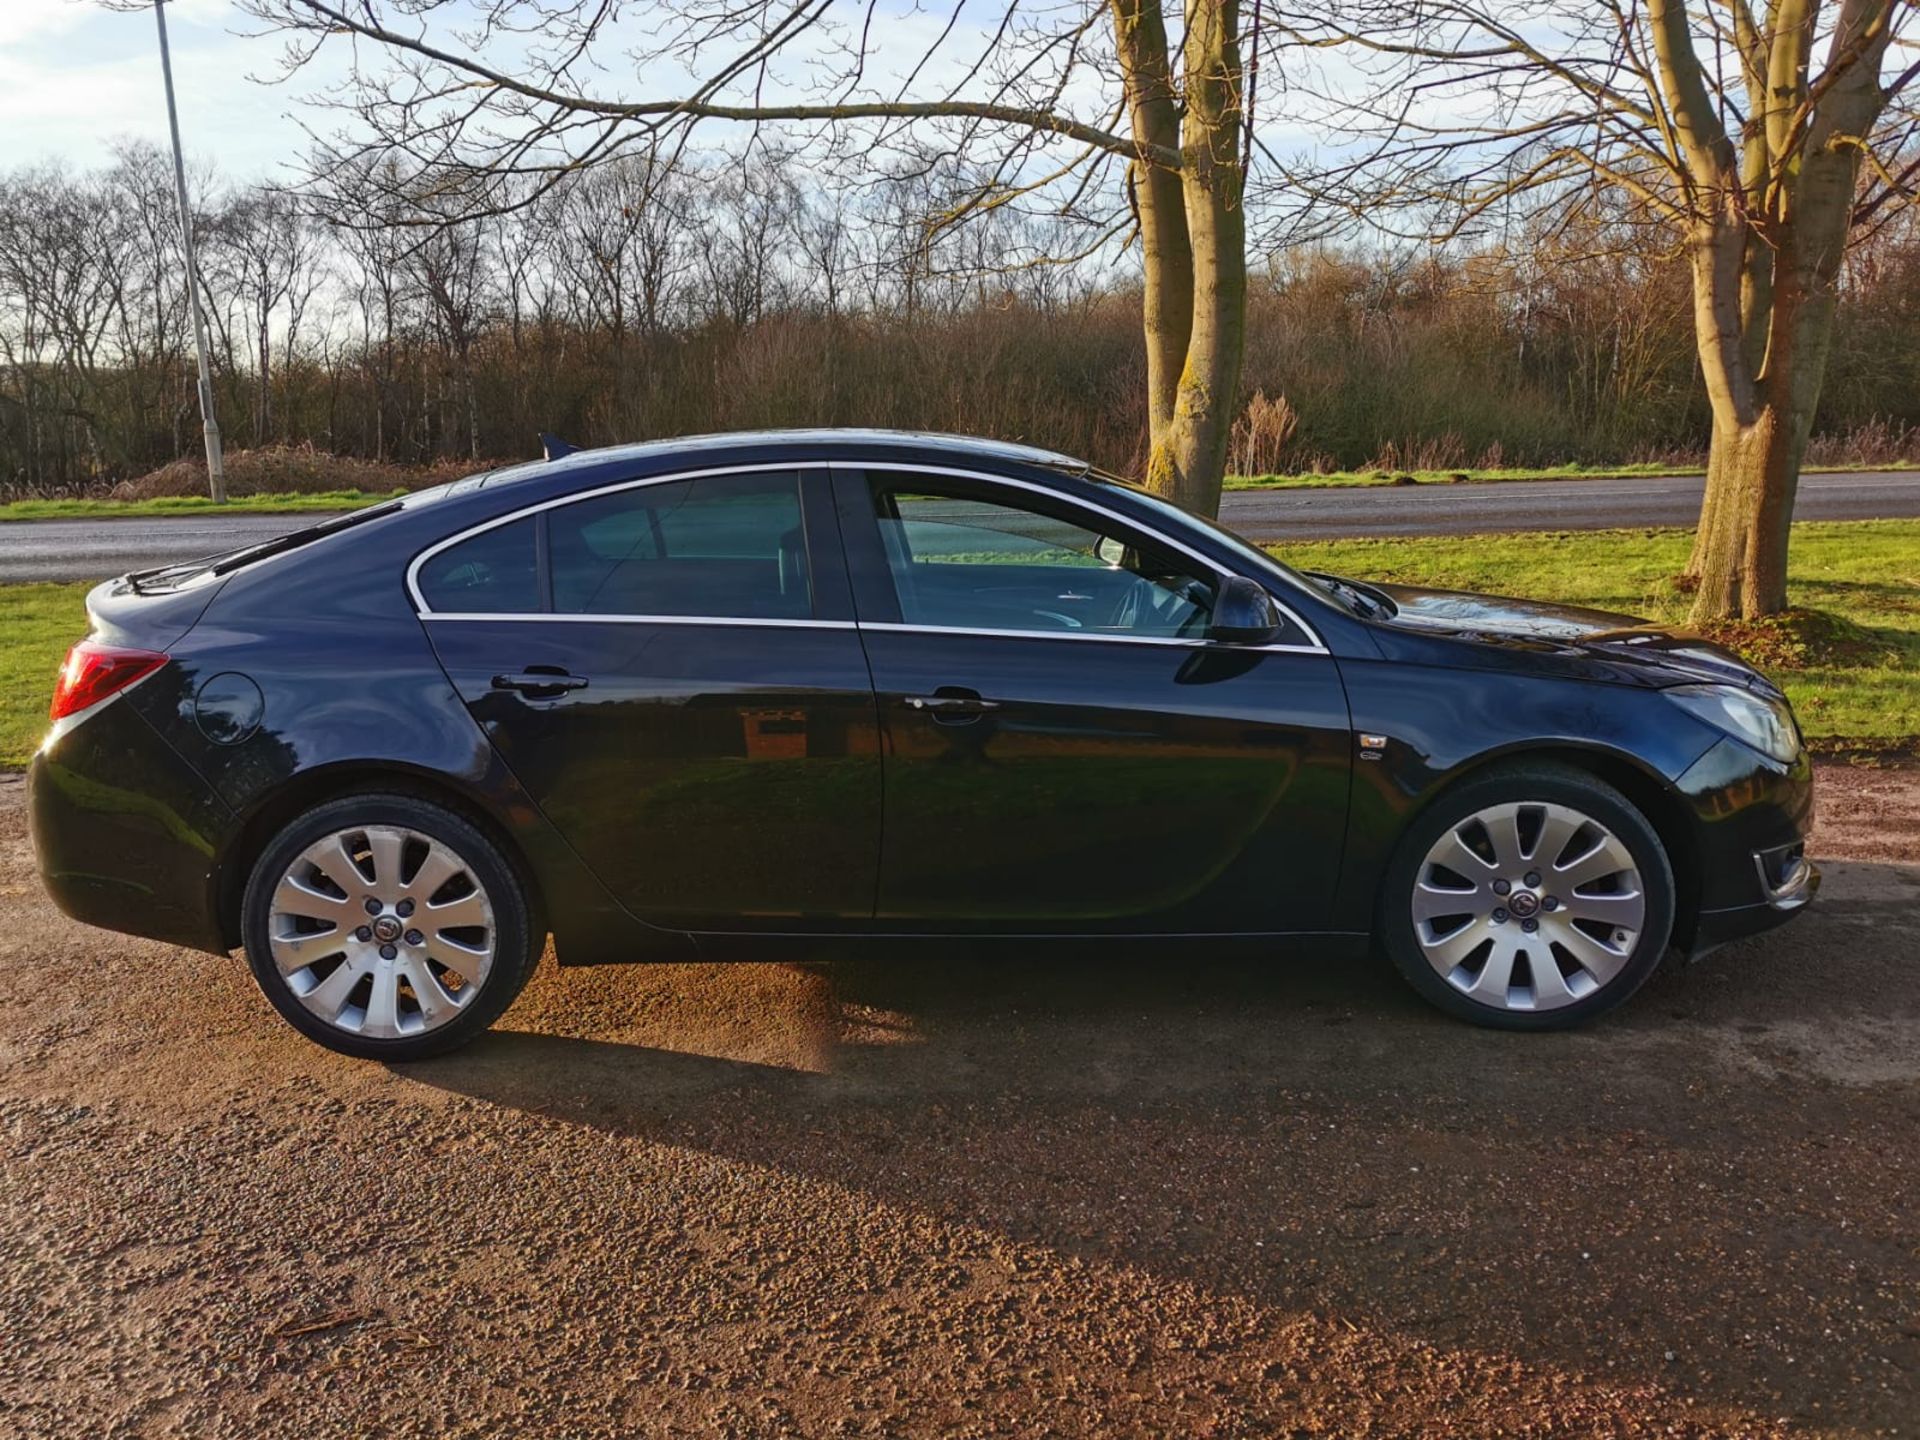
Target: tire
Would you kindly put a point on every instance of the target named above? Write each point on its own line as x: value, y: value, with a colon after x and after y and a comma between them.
x: 405, y: 982
x: 1602, y: 903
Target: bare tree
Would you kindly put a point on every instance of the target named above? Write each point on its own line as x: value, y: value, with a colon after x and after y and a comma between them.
x: 1759, y: 139
x: 492, y: 93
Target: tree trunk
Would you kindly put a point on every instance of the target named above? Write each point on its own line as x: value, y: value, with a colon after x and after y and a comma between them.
x: 1741, y: 548
x: 1782, y: 307
x: 1166, y: 252
x: 1189, y: 459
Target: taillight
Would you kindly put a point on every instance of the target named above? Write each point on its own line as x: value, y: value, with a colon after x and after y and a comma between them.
x: 94, y: 671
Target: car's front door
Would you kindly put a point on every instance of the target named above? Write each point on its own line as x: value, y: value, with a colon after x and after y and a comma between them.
x: 672, y: 671
x: 1065, y: 751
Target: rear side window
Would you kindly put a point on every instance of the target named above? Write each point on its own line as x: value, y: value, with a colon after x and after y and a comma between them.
x: 493, y: 573
x: 721, y: 546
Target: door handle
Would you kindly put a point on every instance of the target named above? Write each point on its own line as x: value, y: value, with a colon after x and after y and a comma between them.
x: 541, y: 681
x: 952, y: 705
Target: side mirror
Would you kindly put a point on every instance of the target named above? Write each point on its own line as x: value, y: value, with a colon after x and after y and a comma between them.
x: 1243, y: 613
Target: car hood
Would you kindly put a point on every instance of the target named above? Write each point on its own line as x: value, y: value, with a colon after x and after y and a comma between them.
x: 1628, y: 647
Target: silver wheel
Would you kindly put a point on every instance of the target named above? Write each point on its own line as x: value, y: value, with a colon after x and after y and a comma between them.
x: 1528, y: 906
x: 381, y: 931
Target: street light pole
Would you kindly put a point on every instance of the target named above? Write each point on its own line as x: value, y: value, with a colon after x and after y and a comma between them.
x: 216, y: 466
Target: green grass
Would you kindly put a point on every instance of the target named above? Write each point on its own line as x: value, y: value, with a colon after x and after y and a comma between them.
x: 190, y: 505
x: 1852, y: 666
x: 37, y: 624
x: 1332, y: 479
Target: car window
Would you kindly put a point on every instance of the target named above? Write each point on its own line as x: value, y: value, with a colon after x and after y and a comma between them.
x: 964, y: 562
x: 493, y: 573
x: 725, y: 546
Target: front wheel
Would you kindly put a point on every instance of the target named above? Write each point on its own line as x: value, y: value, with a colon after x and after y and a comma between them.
x: 1531, y: 898
x: 386, y: 927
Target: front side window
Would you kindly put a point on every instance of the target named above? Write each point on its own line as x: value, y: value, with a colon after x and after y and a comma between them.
x: 965, y: 562
x: 725, y: 546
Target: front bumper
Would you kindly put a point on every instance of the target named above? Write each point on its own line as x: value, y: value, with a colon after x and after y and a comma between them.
x: 125, y: 832
x: 1752, y: 815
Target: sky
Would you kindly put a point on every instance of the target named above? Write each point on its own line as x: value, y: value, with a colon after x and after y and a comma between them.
x: 75, y: 78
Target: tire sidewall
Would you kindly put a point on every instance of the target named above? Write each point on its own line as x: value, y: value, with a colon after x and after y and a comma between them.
x: 1394, y: 924
x: 514, y: 949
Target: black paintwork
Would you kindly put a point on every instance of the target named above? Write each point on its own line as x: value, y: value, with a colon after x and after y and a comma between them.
x: 756, y: 778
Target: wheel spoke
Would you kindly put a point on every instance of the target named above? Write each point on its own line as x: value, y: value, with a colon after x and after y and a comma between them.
x: 293, y: 896
x: 383, y: 1004
x: 1627, y: 908
x: 295, y: 952
x: 469, y: 910
x: 1601, y: 961
x: 437, y: 1004
x: 1432, y: 901
x: 329, y: 997
x: 1451, y: 949
x: 1550, y: 990
x: 440, y: 866
x: 388, y: 847
x: 1607, y: 857
x: 1502, y: 824
x: 1496, y: 976
x: 333, y: 860
x: 469, y: 963
x: 1461, y: 858
x: 1557, y: 827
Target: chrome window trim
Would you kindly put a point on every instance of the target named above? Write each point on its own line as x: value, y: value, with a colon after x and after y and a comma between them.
x: 1317, y: 647
x: 546, y: 617
x: 1177, y: 641
x: 427, y: 612
x: 800, y: 467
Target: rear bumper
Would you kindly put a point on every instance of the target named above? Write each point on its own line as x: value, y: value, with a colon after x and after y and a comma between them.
x: 1753, y: 815
x: 125, y: 832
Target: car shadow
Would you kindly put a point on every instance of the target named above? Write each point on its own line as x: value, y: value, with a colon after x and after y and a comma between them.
x: 1305, y: 1134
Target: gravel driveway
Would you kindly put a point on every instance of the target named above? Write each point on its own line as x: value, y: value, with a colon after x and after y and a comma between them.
x: 1142, y: 1194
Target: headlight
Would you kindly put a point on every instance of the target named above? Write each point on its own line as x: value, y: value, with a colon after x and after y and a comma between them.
x: 1767, y: 725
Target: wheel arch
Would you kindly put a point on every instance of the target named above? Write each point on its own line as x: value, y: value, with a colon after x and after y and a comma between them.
x: 1649, y: 792
x: 301, y: 792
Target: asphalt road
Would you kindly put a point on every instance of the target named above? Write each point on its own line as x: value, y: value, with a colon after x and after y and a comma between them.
x: 92, y: 549
x: 1156, y: 1192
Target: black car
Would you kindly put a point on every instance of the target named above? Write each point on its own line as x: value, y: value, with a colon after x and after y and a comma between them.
x: 853, y: 684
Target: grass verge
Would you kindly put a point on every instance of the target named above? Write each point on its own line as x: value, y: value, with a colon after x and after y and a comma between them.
x: 294, y: 502
x: 1340, y: 479
x: 190, y: 505
x: 1849, y: 656
x: 37, y: 624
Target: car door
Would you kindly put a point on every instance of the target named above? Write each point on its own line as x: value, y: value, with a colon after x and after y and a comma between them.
x: 1065, y: 750
x: 671, y: 669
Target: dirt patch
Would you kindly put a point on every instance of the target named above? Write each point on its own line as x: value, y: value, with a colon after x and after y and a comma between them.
x: 992, y: 1193
x: 294, y: 470
x: 1797, y: 639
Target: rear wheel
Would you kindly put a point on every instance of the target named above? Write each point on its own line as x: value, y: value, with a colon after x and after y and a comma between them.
x: 386, y: 927
x: 1530, y: 898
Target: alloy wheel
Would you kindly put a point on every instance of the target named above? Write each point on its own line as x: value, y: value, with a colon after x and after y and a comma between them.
x: 382, y: 931
x: 1528, y: 906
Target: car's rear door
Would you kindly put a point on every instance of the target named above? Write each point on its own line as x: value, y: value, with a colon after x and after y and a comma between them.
x: 1064, y: 751
x: 672, y: 670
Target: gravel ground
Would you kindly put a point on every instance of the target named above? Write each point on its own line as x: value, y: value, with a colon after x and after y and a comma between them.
x: 976, y: 1195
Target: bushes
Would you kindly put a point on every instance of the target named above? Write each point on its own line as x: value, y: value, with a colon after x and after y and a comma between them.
x: 290, y: 470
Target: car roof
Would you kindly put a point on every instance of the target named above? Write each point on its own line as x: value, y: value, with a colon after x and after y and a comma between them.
x: 847, y: 443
